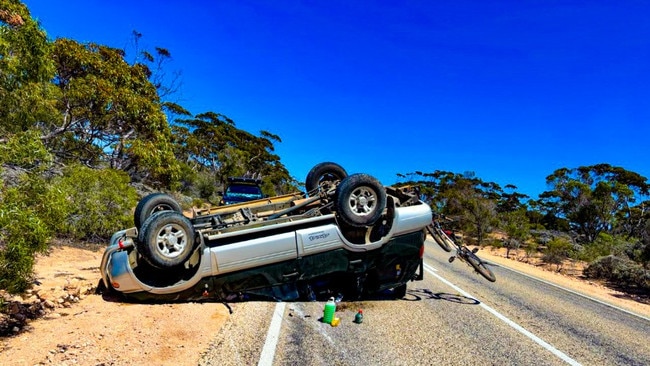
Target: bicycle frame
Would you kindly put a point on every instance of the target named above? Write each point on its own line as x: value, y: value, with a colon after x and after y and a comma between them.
x: 450, y: 241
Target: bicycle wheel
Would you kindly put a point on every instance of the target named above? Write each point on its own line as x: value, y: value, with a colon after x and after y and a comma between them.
x: 444, y: 245
x: 480, y: 267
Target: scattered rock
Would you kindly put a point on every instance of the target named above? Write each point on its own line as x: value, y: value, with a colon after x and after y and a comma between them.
x: 16, y: 311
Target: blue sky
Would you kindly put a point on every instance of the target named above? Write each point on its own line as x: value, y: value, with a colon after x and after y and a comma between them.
x: 511, y: 90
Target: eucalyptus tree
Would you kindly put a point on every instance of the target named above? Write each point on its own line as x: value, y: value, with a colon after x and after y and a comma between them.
x: 597, y: 198
x: 463, y: 196
x: 26, y: 93
x: 211, y: 142
x: 110, y: 114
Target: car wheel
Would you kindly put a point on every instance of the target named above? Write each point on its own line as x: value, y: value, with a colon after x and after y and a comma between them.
x: 360, y: 200
x: 150, y: 204
x: 166, y: 239
x: 324, y: 177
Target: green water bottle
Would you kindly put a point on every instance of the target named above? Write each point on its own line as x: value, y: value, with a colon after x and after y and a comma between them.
x: 359, y: 317
x: 328, y: 312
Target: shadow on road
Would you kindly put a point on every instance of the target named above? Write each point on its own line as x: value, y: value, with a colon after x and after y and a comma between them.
x: 426, y: 294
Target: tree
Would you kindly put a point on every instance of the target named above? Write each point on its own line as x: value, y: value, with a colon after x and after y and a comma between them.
x: 460, y: 195
x: 517, y: 227
x: 557, y: 250
x: 26, y: 94
x: 590, y: 197
x: 511, y: 200
x: 211, y: 142
x: 110, y: 113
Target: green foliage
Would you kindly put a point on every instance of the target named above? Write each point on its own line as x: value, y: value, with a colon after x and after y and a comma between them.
x: 467, y: 197
x: 33, y: 191
x: 25, y: 150
x: 65, y: 102
x: 206, y: 186
x: 590, y: 197
x: 516, y: 224
x: 639, y: 252
x: 210, y: 142
x: 531, y: 248
x: 26, y: 93
x: 93, y: 203
x: 495, y: 243
x: 557, y: 250
x: 619, y: 271
x: 110, y: 112
x: 24, y: 47
x: 22, y: 234
x: 604, y: 245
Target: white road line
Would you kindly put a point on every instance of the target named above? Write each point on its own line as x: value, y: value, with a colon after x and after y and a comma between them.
x: 512, y: 324
x: 577, y: 293
x: 272, y: 335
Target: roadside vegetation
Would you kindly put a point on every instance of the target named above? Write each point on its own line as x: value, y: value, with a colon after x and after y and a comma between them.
x: 598, y: 214
x: 86, y: 129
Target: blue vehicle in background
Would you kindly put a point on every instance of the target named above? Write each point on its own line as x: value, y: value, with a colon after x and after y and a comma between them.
x: 242, y: 190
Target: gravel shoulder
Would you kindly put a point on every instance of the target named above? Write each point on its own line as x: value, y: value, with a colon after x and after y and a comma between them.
x: 569, y: 277
x: 94, y: 331
x: 79, y: 327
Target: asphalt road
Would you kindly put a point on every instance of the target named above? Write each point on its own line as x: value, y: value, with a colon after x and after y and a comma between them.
x: 452, y: 317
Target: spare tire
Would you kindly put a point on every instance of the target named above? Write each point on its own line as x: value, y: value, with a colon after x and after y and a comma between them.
x: 360, y: 200
x: 152, y: 203
x: 324, y: 177
x: 166, y: 239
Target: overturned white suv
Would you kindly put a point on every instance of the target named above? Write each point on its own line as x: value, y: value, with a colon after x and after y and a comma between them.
x: 346, y: 235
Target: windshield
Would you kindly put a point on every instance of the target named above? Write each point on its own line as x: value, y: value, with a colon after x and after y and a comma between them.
x: 244, y: 191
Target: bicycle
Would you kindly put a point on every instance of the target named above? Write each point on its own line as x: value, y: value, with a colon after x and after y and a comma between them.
x: 448, y: 241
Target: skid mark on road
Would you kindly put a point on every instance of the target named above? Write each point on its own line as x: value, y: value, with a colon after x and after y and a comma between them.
x: 509, y: 322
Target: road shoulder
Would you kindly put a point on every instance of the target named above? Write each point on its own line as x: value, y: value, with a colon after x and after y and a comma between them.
x: 571, y: 282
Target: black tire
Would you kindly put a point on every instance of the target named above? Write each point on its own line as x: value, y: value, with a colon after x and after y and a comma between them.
x: 445, y: 238
x: 443, y: 244
x: 152, y: 203
x: 166, y: 239
x: 324, y: 176
x: 360, y: 200
x: 481, y: 268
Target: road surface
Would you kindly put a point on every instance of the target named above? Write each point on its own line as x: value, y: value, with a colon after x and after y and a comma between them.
x: 453, y: 316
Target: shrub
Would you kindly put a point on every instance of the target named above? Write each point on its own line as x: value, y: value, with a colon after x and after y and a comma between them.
x: 81, y: 203
x: 22, y: 234
x: 619, y: 271
x: 206, y: 187
x: 92, y: 203
x: 531, y: 248
x: 495, y: 243
x: 638, y: 252
x: 604, y: 245
x: 557, y: 250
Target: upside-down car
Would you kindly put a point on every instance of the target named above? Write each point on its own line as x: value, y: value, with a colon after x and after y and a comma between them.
x: 347, y: 234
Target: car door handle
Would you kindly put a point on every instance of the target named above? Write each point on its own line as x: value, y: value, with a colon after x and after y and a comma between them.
x: 356, y: 261
x: 289, y: 275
